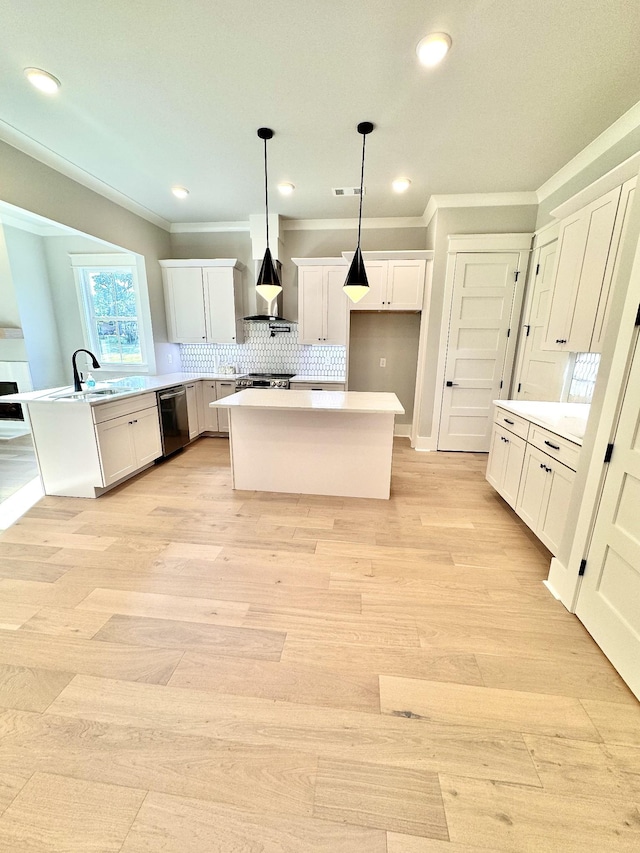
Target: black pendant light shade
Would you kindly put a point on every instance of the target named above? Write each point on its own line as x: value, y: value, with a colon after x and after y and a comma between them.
x: 357, y: 285
x: 268, y: 284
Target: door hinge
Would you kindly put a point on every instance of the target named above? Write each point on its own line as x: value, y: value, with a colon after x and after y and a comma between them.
x: 583, y: 566
x: 608, y: 453
x: 517, y: 274
x: 508, y: 333
x: 638, y: 317
x: 501, y: 383
x: 519, y: 387
x: 537, y: 269
x: 528, y: 328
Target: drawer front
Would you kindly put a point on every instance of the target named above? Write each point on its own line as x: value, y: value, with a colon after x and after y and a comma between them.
x: 514, y: 423
x: 317, y: 386
x: 559, y: 448
x: 126, y: 406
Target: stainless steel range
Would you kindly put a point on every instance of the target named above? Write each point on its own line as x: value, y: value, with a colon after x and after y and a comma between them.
x: 264, y: 380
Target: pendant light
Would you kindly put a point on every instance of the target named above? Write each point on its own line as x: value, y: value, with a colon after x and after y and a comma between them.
x: 268, y: 284
x: 357, y: 285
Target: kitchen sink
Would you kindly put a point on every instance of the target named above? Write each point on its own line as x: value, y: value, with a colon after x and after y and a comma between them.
x: 79, y: 395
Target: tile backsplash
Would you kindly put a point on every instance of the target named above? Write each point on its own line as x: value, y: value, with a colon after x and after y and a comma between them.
x: 262, y: 353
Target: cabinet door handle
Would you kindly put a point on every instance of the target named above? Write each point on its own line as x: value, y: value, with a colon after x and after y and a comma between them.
x: 561, y: 340
x: 507, y: 421
x: 552, y: 446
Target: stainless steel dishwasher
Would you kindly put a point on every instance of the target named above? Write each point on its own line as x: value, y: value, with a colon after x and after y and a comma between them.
x: 174, y: 420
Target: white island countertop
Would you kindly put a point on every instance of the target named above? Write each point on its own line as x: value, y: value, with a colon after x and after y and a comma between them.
x: 568, y: 420
x: 363, y: 402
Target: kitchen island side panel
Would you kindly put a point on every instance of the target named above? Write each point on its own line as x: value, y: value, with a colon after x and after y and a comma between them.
x: 312, y: 452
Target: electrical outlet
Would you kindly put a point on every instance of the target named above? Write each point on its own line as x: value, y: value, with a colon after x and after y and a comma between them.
x: 383, y: 362
x: 170, y: 358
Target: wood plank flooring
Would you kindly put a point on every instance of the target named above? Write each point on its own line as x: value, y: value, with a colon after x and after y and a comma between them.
x: 191, y: 669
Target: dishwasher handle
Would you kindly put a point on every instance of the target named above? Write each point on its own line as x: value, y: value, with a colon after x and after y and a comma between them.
x: 171, y: 396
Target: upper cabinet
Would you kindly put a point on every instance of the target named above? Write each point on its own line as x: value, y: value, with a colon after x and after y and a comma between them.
x: 394, y: 285
x: 203, y: 300
x: 323, y: 309
x: 587, y: 250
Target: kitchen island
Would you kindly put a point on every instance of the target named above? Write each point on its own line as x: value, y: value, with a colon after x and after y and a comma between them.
x: 312, y: 442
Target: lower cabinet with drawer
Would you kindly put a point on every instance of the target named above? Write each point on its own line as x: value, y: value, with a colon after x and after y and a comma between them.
x: 128, y: 443
x: 533, y: 469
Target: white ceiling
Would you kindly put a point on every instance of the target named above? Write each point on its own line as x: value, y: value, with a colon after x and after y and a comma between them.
x: 159, y: 92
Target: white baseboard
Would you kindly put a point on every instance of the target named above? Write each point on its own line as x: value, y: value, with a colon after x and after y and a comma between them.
x: 551, y: 589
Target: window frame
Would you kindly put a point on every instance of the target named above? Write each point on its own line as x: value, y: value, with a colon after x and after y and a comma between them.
x: 108, y: 262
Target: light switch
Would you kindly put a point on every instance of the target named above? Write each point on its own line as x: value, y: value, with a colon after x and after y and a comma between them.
x: 383, y: 362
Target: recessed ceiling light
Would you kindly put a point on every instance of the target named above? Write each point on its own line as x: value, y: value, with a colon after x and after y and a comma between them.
x: 401, y: 185
x: 180, y: 192
x: 433, y: 48
x: 42, y: 80
x: 286, y: 188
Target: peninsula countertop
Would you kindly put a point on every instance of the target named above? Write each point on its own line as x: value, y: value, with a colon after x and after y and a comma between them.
x: 362, y: 402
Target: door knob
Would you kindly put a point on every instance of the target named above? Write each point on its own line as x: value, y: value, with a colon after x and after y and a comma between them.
x: 451, y: 384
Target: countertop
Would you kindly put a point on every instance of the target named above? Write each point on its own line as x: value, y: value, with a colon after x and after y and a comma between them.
x: 131, y: 386
x: 362, y: 402
x: 568, y: 420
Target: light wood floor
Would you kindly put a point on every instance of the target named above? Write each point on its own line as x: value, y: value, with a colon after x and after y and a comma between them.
x: 188, y: 669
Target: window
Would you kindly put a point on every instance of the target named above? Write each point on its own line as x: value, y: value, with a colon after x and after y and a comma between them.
x: 110, y: 299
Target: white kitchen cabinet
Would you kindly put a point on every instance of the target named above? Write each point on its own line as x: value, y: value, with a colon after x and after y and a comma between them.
x: 505, y: 463
x: 209, y: 416
x: 322, y: 304
x: 543, y: 497
x: 394, y: 285
x: 128, y: 443
x: 192, y: 410
x: 203, y: 301
x: 583, y: 264
x: 224, y: 389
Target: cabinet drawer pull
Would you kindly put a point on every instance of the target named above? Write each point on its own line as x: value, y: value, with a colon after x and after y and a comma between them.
x: 545, y: 468
x: 507, y: 421
x: 561, y: 340
x: 552, y: 446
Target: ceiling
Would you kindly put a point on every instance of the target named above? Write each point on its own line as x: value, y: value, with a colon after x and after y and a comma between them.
x: 158, y: 92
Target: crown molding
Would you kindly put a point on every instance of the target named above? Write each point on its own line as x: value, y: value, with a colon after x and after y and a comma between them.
x: 626, y: 124
x: 17, y: 139
x: 620, y: 174
x: 477, y: 200
x: 345, y: 224
x: 208, y: 227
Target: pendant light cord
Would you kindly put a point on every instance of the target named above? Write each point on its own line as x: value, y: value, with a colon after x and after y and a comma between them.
x: 364, y: 140
x: 266, y: 191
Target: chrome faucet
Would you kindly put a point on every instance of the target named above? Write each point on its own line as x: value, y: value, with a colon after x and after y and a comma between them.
x: 77, y: 385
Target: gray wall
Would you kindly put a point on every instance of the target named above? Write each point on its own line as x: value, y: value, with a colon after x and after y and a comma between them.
x: 35, y: 300
x: 391, y: 335
x: 32, y: 186
x: 449, y: 221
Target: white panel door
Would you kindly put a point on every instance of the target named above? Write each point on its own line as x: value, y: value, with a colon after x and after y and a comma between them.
x: 336, y: 307
x: 609, y: 598
x: 375, y: 299
x: 185, y: 305
x: 405, y: 285
x: 220, y: 307
x: 310, y: 305
x: 484, y: 292
x: 542, y: 373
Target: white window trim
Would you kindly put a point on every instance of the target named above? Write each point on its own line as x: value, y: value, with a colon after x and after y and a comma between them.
x: 104, y: 260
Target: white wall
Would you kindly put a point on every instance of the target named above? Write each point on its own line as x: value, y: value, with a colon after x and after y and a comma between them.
x: 33, y: 294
